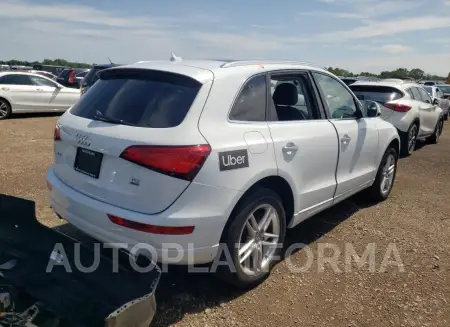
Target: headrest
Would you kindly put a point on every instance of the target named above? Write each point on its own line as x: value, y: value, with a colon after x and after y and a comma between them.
x: 285, y: 94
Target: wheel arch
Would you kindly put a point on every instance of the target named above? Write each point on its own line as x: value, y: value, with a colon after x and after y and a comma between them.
x: 278, y: 185
x: 7, y: 100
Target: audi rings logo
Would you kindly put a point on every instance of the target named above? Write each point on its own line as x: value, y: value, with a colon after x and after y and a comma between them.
x: 83, y: 140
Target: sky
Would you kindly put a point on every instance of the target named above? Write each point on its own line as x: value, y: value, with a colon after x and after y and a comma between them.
x: 358, y: 35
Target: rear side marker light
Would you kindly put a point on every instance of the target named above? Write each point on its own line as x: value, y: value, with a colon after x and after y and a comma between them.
x: 182, y: 162
x: 398, y: 107
x: 49, y: 186
x: 57, y: 134
x: 152, y: 229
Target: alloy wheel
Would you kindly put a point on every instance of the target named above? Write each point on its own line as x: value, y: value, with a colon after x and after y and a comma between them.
x: 258, y: 240
x: 3, y: 109
x: 439, y: 128
x: 388, y: 175
x: 412, y: 136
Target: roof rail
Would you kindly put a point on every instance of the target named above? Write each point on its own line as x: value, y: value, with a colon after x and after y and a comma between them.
x: 237, y: 63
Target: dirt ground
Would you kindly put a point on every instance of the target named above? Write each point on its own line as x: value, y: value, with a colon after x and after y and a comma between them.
x: 413, y: 223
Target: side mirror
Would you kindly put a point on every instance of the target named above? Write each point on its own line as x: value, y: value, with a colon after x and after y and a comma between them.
x: 373, y: 108
x: 435, y: 101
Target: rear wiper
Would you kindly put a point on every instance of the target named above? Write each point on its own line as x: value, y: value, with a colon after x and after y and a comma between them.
x: 101, y: 116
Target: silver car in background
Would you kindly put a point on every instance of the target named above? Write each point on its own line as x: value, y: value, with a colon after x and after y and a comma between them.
x: 436, y: 92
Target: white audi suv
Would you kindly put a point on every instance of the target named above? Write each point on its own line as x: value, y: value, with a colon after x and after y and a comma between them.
x: 197, y: 158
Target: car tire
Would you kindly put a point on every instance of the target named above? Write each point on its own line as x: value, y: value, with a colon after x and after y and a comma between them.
x: 5, y: 109
x: 446, y: 116
x: 384, y: 181
x: 437, y: 131
x: 236, y: 238
x: 409, y: 140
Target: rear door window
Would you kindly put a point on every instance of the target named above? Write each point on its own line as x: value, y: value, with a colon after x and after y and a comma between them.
x: 251, y: 102
x: 416, y: 93
x: 424, y: 95
x: 380, y: 94
x: 142, y: 98
x: 411, y: 94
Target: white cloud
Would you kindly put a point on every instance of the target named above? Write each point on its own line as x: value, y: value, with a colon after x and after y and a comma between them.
x: 69, y: 13
x: 389, y: 27
x: 395, y: 48
x: 434, y: 63
x: 345, y: 15
x: 367, y: 9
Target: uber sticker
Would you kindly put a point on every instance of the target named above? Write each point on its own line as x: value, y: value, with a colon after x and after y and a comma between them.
x: 233, y: 160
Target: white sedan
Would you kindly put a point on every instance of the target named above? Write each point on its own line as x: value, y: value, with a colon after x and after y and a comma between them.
x: 26, y: 92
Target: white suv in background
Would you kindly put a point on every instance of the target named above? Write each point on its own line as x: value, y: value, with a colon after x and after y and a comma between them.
x: 407, y: 106
x: 200, y: 153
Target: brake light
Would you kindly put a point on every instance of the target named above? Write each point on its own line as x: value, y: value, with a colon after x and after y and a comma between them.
x: 397, y: 107
x: 72, y: 77
x: 57, y: 134
x: 178, y: 161
x: 162, y: 230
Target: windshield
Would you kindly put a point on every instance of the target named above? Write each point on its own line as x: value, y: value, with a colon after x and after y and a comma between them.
x: 380, y: 94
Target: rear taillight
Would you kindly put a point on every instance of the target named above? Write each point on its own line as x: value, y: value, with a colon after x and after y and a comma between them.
x: 72, y: 77
x: 57, y: 134
x: 153, y: 229
x: 178, y: 161
x: 398, y: 107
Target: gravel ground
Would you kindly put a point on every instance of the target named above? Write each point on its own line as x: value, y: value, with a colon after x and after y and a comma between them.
x: 413, y: 223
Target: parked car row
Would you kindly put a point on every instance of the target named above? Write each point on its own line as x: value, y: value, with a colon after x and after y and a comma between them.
x: 142, y: 157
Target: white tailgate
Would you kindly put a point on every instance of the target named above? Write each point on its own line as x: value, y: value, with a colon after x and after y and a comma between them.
x: 120, y: 182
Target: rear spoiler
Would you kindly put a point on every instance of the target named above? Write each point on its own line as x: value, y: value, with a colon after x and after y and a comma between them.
x: 113, y: 295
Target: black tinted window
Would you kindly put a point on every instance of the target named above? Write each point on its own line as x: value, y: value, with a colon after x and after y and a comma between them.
x: 141, y: 98
x: 91, y: 77
x: 251, y: 102
x: 18, y: 80
x: 424, y: 95
x: 381, y: 94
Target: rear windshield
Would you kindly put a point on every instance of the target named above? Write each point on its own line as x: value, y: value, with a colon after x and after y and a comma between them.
x: 429, y: 83
x: 380, y: 94
x: 139, y: 98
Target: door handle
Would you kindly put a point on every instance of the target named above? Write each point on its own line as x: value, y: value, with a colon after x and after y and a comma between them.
x: 5, y: 88
x: 346, y: 139
x: 39, y: 89
x: 289, y: 148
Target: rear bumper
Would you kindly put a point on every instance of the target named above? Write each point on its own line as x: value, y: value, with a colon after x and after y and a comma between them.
x: 205, y: 207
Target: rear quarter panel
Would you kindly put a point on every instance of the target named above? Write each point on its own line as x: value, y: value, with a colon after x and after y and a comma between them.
x: 386, y: 134
x: 253, y: 138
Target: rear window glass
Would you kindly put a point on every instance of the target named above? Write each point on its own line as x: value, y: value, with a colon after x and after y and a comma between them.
x: 380, y: 94
x: 139, y: 98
